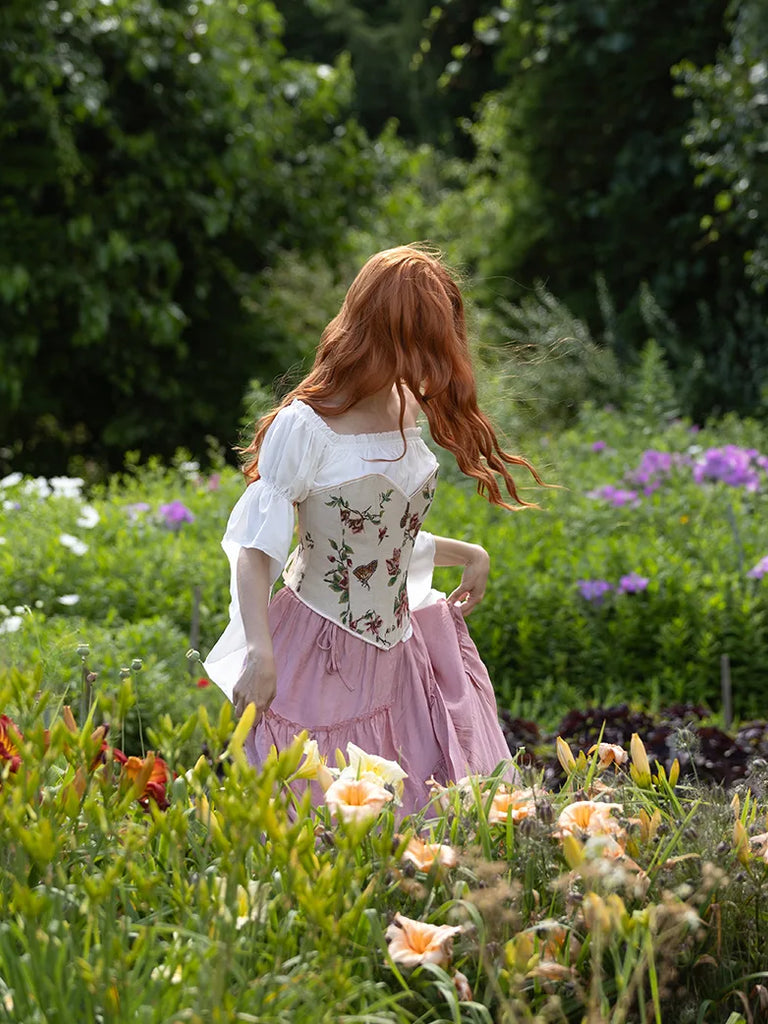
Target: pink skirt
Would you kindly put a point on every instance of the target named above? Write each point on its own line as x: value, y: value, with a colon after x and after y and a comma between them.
x: 426, y: 703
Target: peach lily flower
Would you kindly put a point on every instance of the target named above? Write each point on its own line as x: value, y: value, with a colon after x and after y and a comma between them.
x: 356, y: 799
x: 462, y: 986
x: 588, y: 818
x: 761, y: 844
x: 314, y: 766
x: 608, y: 754
x: 518, y: 804
x: 414, y: 942
x: 424, y: 855
x: 465, y: 787
x: 378, y: 769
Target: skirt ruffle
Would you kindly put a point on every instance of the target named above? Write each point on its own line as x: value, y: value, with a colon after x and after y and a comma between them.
x: 426, y: 703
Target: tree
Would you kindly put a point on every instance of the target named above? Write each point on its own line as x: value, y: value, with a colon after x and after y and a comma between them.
x: 728, y: 136
x: 156, y: 156
x: 402, y: 55
x: 582, y: 156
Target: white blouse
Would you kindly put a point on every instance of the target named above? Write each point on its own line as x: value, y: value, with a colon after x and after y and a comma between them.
x: 301, y: 453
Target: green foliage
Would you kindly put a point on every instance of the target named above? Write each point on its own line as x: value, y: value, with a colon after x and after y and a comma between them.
x: 652, y: 401
x: 728, y: 136
x: 600, y: 189
x: 153, y: 891
x: 542, y: 365
x: 143, y: 589
x: 156, y: 159
x: 400, y: 51
x: 549, y: 648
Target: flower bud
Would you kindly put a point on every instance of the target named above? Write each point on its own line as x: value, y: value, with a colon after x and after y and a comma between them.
x: 136, y: 665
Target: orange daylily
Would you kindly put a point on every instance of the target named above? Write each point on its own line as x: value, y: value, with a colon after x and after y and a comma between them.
x: 149, y: 775
x: 424, y: 855
x: 9, y: 737
x: 356, y: 799
x: 518, y: 804
x: 414, y: 942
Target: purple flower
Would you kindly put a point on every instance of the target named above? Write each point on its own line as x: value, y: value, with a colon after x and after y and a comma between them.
x: 176, y: 514
x: 730, y: 464
x: 594, y: 590
x: 599, y: 446
x: 654, y: 467
x: 136, y: 509
x: 761, y: 569
x: 632, y: 583
x: 615, y: 496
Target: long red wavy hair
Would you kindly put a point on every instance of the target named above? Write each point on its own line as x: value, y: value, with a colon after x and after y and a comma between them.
x: 402, y: 323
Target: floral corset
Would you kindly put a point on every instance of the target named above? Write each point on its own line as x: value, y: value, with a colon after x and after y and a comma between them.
x: 355, y: 544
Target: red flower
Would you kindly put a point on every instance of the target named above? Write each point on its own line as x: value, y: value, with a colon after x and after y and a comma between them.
x: 203, y: 682
x: 9, y: 737
x: 149, y: 774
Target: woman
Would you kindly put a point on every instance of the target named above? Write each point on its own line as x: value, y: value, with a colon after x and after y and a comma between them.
x: 357, y: 646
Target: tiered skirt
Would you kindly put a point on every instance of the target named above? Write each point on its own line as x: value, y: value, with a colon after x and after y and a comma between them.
x: 426, y: 703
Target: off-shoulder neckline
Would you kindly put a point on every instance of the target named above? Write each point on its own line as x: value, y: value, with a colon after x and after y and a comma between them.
x: 337, y: 438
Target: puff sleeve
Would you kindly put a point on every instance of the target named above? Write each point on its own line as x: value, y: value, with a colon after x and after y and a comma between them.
x: 263, y: 518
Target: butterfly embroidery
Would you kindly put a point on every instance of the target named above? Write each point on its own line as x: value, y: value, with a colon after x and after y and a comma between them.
x: 364, y: 572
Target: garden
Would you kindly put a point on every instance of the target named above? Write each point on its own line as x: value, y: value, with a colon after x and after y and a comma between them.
x: 620, y: 874
x: 187, y: 191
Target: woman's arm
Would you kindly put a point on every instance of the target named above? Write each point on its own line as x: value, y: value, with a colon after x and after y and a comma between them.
x: 477, y: 564
x: 257, y: 681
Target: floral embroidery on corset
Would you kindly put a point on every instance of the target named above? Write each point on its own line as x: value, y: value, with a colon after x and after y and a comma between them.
x: 354, y: 518
x: 393, y: 567
x: 337, y: 577
x: 401, y: 604
x: 373, y: 623
x: 362, y: 551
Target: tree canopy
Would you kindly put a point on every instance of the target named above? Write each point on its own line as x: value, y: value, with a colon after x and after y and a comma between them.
x: 178, y: 177
x: 156, y: 157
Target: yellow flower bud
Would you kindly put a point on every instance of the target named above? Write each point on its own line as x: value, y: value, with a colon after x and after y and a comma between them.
x: 565, y: 755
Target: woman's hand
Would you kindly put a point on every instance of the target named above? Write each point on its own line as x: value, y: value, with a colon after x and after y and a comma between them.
x: 256, y: 684
x: 474, y: 580
x: 257, y: 680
